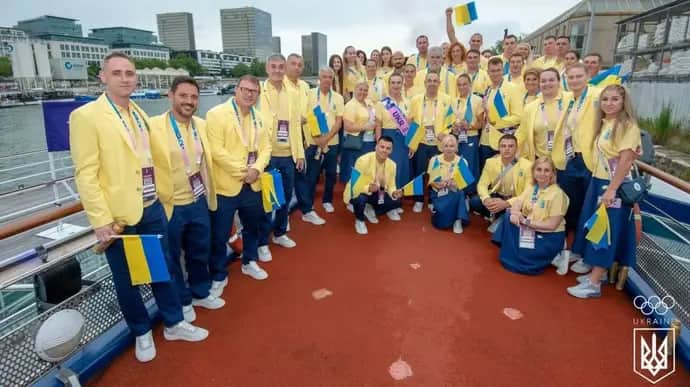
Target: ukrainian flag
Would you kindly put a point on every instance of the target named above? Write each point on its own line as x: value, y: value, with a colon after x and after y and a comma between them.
x: 317, y: 122
x: 462, y: 175
x: 357, y: 185
x: 449, y: 118
x: 415, y: 187
x: 436, y: 173
x: 272, y: 193
x: 499, y: 105
x: 414, y: 135
x: 466, y: 14
x: 145, y: 259
x: 599, y: 229
x: 607, y: 77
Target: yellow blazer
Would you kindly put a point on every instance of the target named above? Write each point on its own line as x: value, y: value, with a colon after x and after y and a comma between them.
x: 530, y: 114
x: 584, y: 132
x: 417, y: 111
x: 107, y: 167
x: 522, y: 175
x: 447, y: 81
x: 160, y: 150
x: 295, y: 117
x: 366, y: 165
x: 229, y: 153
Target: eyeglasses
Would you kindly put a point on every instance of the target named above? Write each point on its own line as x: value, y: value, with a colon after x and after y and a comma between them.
x: 249, y: 91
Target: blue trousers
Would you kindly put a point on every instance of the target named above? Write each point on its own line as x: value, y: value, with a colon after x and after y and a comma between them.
x: 361, y: 201
x: 448, y: 209
x: 305, y: 181
x: 485, y: 152
x: 574, y: 181
x: 189, y: 229
x: 286, y: 167
x: 477, y: 206
x: 347, y: 161
x: 420, y: 160
x: 330, y: 168
x: 400, y: 156
x: 470, y: 152
x: 367, y: 146
x: 248, y: 204
x: 153, y: 221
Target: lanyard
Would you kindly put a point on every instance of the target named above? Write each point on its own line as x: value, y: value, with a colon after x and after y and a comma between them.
x: 330, y: 97
x: 535, y: 195
x: 572, y: 120
x: 245, y: 141
x: 468, y: 107
x: 142, y: 131
x: 545, y: 119
x: 433, y: 117
x: 180, y: 141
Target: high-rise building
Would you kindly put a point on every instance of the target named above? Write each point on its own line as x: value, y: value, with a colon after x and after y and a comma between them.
x: 246, y: 31
x: 113, y: 35
x: 50, y: 25
x: 275, y: 41
x: 176, y: 30
x: 314, y: 52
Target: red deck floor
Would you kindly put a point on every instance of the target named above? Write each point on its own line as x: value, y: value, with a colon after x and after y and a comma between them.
x: 444, y: 319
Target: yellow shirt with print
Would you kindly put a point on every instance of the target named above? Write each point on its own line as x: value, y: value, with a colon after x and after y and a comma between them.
x: 441, y: 168
x: 430, y: 112
x: 332, y: 106
x: 550, y: 202
x: 387, y: 122
x: 511, y: 184
x: 609, y: 145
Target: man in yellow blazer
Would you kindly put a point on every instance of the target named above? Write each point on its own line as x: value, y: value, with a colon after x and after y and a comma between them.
x: 181, y: 148
x: 115, y: 175
x: 282, y: 109
x: 241, y: 149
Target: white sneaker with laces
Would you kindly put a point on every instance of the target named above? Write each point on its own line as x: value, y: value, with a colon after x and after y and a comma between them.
x: 361, y: 227
x: 585, y: 278
x: 313, y: 218
x: 580, y: 267
x: 418, y: 207
x: 185, y: 331
x: 253, y: 270
x: 574, y: 257
x: 561, y: 261
x: 217, y: 287
x: 393, y: 215
x: 144, y: 348
x: 370, y: 214
x: 210, y: 302
x: 284, y: 241
x: 457, y: 226
x: 265, y: 254
x: 188, y: 313
x: 328, y: 207
x: 585, y: 290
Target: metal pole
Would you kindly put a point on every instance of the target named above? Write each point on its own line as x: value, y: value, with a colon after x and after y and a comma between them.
x: 588, y: 41
x: 53, y: 178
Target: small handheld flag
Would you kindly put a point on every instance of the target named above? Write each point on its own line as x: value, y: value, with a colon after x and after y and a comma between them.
x: 272, y: 194
x: 357, y: 184
x: 607, y: 77
x: 599, y: 229
x: 415, y: 187
x: 436, y: 174
x: 466, y: 14
x: 414, y: 135
x: 317, y: 122
x: 500, y: 105
x: 449, y: 118
x: 462, y: 175
x: 145, y: 259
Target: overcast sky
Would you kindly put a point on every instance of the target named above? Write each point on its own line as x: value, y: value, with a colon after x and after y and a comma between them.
x: 365, y: 24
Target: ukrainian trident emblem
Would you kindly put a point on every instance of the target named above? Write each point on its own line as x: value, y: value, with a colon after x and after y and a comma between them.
x: 654, y: 356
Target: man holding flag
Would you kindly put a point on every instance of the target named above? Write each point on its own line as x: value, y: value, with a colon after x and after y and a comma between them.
x: 372, y: 190
x: 114, y: 173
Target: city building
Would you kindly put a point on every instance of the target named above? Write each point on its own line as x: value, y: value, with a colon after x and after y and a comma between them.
x: 142, y: 51
x: 314, y: 52
x: 246, y: 31
x: 158, y: 78
x: 28, y: 57
x: 50, y: 25
x: 117, y: 35
x: 591, y: 25
x: 275, y: 42
x: 75, y: 48
x: 215, y: 63
x: 176, y: 30
x: 229, y: 61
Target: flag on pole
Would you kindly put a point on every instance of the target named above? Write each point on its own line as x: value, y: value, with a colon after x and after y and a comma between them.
x: 414, y: 135
x: 145, y: 259
x: 599, y: 229
x: 56, y: 123
x: 607, y: 77
x: 462, y: 175
x: 415, y: 187
x: 466, y: 14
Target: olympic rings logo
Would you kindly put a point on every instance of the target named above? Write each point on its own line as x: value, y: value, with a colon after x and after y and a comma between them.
x: 654, y: 304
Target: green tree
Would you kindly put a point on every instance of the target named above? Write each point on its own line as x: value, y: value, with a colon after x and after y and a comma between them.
x: 93, y: 70
x: 188, y: 63
x: 150, y: 63
x: 497, y: 48
x: 5, y: 67
x: 240, y: 70
x: 258, y: 68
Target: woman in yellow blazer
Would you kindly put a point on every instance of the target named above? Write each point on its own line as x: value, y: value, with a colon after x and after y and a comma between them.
x: 468, y: 107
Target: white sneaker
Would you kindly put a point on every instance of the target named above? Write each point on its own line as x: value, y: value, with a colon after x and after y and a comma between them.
x: 457, y: 226
x: 561, y: 262
x: 253, y: 270
x: 581, y: 267
x: 144, y: 348
x: 370, y: 214
x: 217, y: 287
x: 418, y: 207
x: 265, y: 254
x: 393, y: 215
x: 185, y: 331
x: 574, y: 257
x: 210, y: 302
x: 328, y: 207
x: 494, y: 225
x: 585, y: 278
x: 585, y: 290
x: 431, y: 207
x: 361, y: 227
x: 350, y: 208
x: 284, y: 241
x: 400, y: 210
x: 188, y: 313
x: 313, y: 218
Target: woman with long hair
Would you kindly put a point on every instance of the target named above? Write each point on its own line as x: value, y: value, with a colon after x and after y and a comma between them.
x: 455, y: 58
x: 361, y: 57
x: 353, y: 72
x: 388, y: 125
x: 385, y: 65
x: 616, y: 146
x: 335, y: 62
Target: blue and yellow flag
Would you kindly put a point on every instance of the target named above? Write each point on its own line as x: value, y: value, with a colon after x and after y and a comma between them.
x: 317, y: 122
x: 415, y: 187
x: 145, y: 259
x: 469, y: 115
x: 499, y: 104
x: 414, y: 135
x: 462, y: 175
x: 466, y: 14
x: 357, y: 185
x: 436, y: 173
x: 272, y: 194
x: 449, y: 118
x: 599, y: 229
x: 607, y: 77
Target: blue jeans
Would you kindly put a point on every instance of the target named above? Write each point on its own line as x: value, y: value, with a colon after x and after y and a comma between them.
x: 485, y: 153
x: 153, y: 221
x: 248, y: 204
x: 330, y: 167
x: 360, y: 202
x: 421, y: 159
x: 477, y: 206
x: 286, y: 167
x: 574, y: 181
x: 305, y: 181
x: 189, y: 229
x: 347, y: 161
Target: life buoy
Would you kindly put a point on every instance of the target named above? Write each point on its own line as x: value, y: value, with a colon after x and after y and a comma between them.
x: 235, y: 240
x: 637, y: 216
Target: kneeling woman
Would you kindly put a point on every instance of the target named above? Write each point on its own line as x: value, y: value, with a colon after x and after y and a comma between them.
x: 535, y: 231
x: 450, y: 208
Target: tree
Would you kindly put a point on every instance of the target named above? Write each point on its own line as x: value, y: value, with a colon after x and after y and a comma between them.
x: 497, y: 48
x: 93, y: 70
x: 188, y: 63
x: 240, y: 70
x: 150, y: 63
x: 5, y: 67
x: 258, y: 68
